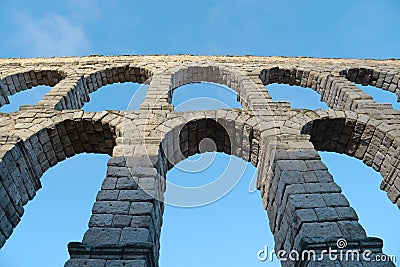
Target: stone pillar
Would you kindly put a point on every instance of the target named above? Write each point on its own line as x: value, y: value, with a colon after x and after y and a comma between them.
x: 124, y: 228
x: 307, y: 210
x: 158, y: 96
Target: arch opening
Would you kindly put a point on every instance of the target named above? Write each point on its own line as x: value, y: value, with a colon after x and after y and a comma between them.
x: 231, y: 136
x: 205, y: 156
x: 79, y: 95
x: 301, y: 88
x: 364, y: 139
x: 58, y: 214
x: 381, y: 96
x: 369, y: 80
x: 298, y: 97
x: 40, y: 80
x: 359, y: 184
x: 26, y: 80
x: 235, y: 80
x: 25, y: 162
x: 117, y: 96
x: 26, y: 97
x: 215, y: 231
x: 204, y: 96
x: 373, y: 77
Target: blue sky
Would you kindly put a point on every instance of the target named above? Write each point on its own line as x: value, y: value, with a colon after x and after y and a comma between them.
x: 228, y: 232
x: 357, y: 28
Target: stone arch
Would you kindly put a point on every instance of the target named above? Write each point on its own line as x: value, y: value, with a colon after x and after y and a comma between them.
x: 293, y: 77
x: 357, y: 135
x: 386, y: 80
x: 83, y: 85
x: 163, y: 84
x: 27, y: 158
x: 235, y: 80
x: 28, y: 79
x: 232, y: 134
x: 334, y: 90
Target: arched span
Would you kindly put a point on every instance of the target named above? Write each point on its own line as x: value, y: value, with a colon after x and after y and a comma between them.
x: 201, y: 135
x: 236, y: 136
x: 249, y: 95
x: 293, y: 77
x: 25, y: 160
x: 374, y: 77
x: 334, y: 90
x: 88, y: 83
x: 357, y: 135
x: 204, y: 96
x: 25, y: 80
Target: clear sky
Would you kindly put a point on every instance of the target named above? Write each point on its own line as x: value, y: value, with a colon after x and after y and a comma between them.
x: 230, y: 231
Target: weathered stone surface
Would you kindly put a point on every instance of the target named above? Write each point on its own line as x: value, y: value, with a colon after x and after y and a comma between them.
x: 85, y: 262
x: 134, y: 235
x: 113, y: 207
x: 101, y: 220
x: 126, y: 263
x: 141, y: 208
x: 121, y: 220
x: 127, y: 183
x: 102, y: 236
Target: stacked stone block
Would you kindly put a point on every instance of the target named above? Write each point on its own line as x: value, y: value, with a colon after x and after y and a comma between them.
x: 126, y: 219
x: 307, y: 210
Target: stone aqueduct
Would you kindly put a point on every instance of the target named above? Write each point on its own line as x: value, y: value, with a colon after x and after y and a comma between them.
x: 306, y: 208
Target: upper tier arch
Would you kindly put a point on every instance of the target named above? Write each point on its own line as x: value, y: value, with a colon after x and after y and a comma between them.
x: 386, y: 80
x: 162, y: 87
x: 335, y: 91
x: 27, y: 79
x: 84, y: 83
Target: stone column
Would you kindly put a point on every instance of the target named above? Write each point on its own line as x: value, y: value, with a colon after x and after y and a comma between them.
x: 307, y: 210
x: 158, y: 96
x: 124, y: 228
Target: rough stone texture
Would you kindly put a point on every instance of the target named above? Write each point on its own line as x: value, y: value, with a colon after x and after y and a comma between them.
x: 306, y: 208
